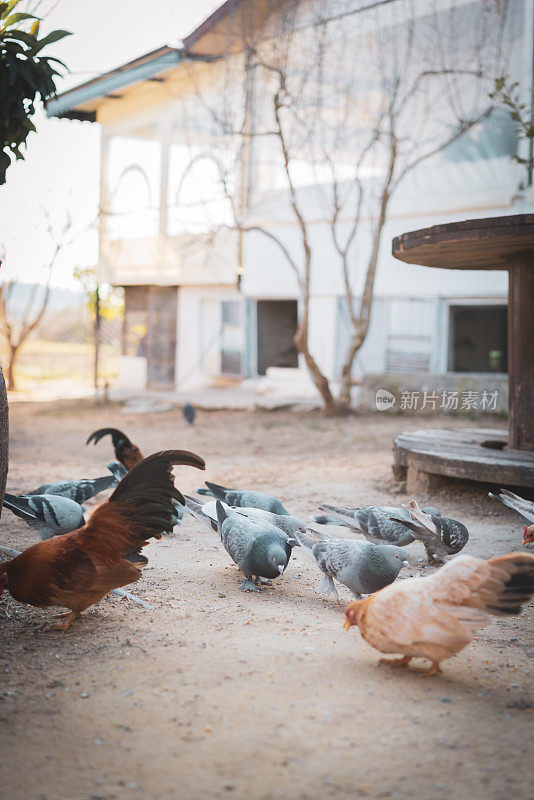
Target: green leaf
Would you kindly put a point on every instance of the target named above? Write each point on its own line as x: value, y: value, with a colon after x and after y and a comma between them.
x: 23, y: 36
x: 56, y: 60
x: 34, y: 30
x: 28, y: 77
x: 9, y: 8
x: 13, y: 71
x: 55, y: 36
x: 18, y: 17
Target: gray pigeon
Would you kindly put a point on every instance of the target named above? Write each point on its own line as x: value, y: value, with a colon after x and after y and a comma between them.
x: 189, y: 413
x: 79, y: 491
x: 117, y: 469
x: 261, y: 551
x: 441, y: 536
x: 248, y: 499
x: 196, y: 510
x: 206, y: 512
x: 519, y: 504
x: 53, y: 514
x: 286, y: 523
x: 374, y: 522
x: 361, y: 566
x: 178, y: 514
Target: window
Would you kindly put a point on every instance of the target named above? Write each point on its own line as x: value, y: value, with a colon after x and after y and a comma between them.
x: 231, y: 337
x: 478, y: 340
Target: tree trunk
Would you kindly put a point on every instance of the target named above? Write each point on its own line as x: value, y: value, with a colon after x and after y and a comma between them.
x: 13, y: 354
x: 4, y: 438
x: 344, y: 396
x: 321, y: 381
x: 360, y: 330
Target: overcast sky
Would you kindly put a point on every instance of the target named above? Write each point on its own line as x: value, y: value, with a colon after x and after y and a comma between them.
x: 62, y: 160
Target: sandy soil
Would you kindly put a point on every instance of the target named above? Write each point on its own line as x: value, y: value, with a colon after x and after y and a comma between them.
x: 221, y: 694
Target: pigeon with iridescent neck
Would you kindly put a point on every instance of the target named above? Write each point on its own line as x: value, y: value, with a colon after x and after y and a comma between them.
x: 260, y: 550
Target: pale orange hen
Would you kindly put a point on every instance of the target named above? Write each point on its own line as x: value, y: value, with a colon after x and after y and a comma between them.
x: 437, y: 616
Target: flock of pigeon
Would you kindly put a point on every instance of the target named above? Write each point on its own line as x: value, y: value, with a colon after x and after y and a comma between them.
x: 433, y: 617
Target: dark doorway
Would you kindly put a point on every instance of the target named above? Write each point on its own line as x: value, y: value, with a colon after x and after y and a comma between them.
x: 150, y: 330
x: 478, y: 339
x: 277, y: 323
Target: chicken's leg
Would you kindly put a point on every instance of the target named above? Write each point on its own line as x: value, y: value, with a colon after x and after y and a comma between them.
x: 69, y: 617
x: 431, y: 671
x: 396, y: 662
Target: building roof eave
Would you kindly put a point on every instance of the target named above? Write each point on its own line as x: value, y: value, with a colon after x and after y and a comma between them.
x: 80, y: 102
x: 224, y: 32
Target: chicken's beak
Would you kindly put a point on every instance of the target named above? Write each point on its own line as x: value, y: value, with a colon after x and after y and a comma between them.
x: 405, y: 563
x: 280, y: 569
x: 347, y: 625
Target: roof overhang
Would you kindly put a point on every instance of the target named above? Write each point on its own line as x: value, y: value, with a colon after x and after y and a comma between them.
x: 81, y: 101
x: 230, y: 27
x: 226, y: 31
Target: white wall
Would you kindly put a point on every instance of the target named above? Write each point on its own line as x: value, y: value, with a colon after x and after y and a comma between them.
x: 199, y: 324
x: 268, y: 274
x: 322, y: 334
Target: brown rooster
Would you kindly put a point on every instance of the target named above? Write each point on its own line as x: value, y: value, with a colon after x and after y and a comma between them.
x: 125, y: 451
x: 437, y: 616
x: 77, y: 569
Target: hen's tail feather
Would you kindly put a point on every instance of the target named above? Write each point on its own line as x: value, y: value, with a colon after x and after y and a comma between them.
x: 140, y: 507
x: 116, y: 436
x: 154, y: 473
x: 518, y: 588
x: 204, y: 492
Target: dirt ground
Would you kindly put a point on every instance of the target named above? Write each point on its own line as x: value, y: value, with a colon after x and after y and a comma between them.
x: 220, y: 694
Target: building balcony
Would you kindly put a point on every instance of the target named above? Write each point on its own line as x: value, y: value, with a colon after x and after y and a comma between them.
x: 185, y: 259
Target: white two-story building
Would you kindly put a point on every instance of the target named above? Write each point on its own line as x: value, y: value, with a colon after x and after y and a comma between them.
x: 204, y: 299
